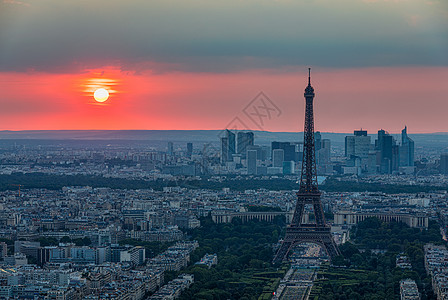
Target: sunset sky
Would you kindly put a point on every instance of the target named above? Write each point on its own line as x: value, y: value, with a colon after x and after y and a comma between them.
x: 198, y: 64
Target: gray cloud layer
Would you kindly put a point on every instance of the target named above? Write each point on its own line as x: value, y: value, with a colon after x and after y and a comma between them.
x: 204, y: 35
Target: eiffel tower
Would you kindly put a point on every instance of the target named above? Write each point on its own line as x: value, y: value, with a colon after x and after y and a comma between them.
x: 297, y: 231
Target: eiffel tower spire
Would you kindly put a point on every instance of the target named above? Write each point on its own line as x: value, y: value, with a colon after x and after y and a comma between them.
x: 308, y: 178
x: 309, y: 76
x: 298, y: 232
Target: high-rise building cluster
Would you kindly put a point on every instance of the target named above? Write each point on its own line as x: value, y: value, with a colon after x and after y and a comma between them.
x: 243, y: 153
x: 386, y: 156
x: 238, y: 151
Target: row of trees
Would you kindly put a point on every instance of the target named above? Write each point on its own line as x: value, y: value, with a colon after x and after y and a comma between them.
x: 333, y: 185
x: 54, y: 182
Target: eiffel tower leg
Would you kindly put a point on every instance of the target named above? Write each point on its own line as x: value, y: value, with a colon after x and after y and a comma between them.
x: 282, y: 252
x: 331, y: 247
x: 319, y: 213
x: 298, y: 213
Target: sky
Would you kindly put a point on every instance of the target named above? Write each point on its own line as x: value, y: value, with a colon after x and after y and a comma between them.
x: 201, y: 64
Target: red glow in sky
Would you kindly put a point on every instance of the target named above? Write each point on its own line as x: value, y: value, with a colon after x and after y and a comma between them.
x: 370, y: 98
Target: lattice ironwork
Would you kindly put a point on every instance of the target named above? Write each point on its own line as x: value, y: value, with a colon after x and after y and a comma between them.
x: 299, y: 232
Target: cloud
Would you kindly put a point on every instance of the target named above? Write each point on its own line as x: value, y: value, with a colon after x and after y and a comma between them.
x: 211, y: 36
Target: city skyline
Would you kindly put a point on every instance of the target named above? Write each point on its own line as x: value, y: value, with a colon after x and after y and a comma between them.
x: 197, y: 149
x: 184, y: 65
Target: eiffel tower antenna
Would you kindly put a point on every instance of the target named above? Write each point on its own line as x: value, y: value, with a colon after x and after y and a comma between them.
x: 309, y: 76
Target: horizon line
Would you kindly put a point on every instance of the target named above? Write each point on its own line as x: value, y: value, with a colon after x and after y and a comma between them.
x: 256, y: 130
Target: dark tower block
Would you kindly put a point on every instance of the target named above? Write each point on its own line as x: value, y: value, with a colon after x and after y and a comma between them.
x: 299, y: 232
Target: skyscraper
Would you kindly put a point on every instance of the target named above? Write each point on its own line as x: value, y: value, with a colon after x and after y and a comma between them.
x: 357, y: 144
x: 288, y: 167
x: 323, y: 155
x: 389, y: 154
x: 406, y: 150
x: 379, y: 141
x: 227, y: 146
x: 170, y: 148
x: 189, y: 149
x: 317, y: 140
x: 289, y: 150
x: 252, y: 162
x: 278, y: 157
x: 357, y: 149
x: 259, y: 149
x: 444, y: 163
x: 245, y: 139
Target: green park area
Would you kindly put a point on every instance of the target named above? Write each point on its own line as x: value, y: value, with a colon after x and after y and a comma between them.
x: 367, y: 268
x: 244, y: 269
x: 365, y: 271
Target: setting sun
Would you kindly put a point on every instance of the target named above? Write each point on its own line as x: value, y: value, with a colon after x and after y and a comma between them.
x: 101, y: 95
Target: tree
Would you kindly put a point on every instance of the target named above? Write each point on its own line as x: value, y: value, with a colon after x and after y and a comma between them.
x: 65, y: 239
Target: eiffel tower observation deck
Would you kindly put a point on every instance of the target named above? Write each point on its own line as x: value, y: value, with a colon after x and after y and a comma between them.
x: 298, y: 232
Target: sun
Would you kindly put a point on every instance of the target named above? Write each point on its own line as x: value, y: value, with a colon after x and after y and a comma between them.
x: 101, y: 95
